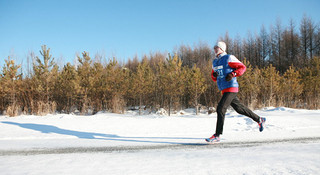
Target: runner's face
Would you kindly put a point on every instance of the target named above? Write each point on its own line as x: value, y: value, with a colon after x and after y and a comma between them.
x: 217, y: 50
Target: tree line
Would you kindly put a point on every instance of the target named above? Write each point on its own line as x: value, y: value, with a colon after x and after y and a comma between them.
x: 283, y: 69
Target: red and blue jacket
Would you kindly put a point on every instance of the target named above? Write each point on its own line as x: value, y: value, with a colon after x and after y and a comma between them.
x: 225, y: 64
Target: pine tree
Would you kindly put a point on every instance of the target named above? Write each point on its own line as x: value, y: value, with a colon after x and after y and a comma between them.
x: 196, y: 85
x: 311, y: 83
x: 291, y: 87
x: 11, y: 82
x: 249, y: 49
x: 172, y: 80
x: 265, y: 44
x: 117, y: 84
x: 43, y: 69
x: 45, y: 74
x: 97, y: 92
x: 85, y: 81
x: 276, y: 45
x: 142, y: 82
x: 2, y: 94
x: 304, y: 37
x: 294, y: 45
x: 270, y: 86
x: 66, y: 89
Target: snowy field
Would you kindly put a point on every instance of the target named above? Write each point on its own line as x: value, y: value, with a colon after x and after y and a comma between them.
x: 108, y: 143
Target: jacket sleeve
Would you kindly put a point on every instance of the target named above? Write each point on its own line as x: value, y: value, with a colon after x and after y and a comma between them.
x: 234, y: 63
x: 213, y: 78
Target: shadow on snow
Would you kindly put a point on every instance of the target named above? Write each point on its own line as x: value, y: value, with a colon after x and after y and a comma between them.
x: 91, y: 135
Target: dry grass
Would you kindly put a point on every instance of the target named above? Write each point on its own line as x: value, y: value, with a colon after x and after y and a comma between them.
x: 117, y: 104
x: 13, y: 110
x: 45, y: 108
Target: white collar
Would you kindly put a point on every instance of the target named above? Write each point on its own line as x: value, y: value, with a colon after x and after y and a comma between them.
x: 221, y: 55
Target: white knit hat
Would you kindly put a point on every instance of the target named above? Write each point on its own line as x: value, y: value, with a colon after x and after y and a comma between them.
x: 222, y: 45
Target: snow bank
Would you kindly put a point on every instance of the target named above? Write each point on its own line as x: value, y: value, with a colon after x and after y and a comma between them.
x: 107, y: 130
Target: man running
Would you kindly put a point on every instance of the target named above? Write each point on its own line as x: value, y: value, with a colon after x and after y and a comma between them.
x: 225, y: 69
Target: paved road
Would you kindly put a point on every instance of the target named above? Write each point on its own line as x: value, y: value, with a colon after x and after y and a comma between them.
x: 221, y: 145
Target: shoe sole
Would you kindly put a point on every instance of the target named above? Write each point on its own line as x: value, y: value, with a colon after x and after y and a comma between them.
x: 213, y: 142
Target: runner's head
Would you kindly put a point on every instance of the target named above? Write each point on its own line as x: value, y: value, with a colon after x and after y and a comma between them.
x: 220, y: 47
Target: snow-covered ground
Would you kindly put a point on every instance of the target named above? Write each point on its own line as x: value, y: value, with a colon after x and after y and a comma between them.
x: 108, y: 143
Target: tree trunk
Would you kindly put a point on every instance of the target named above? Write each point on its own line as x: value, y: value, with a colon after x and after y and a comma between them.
x: 140, y: 103
x: 169, y: 105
